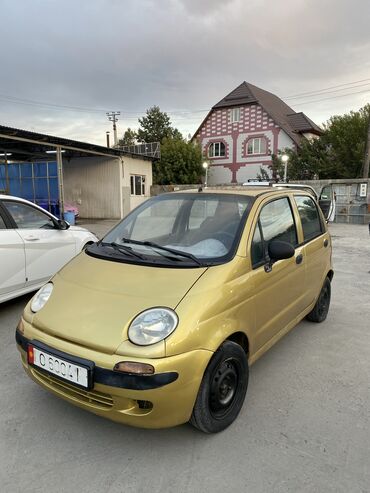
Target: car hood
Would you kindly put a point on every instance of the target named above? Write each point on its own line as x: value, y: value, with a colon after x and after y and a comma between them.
x: 94, y: 300
x: 78, y: 228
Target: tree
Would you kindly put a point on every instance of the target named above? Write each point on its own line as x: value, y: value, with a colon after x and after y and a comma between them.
x: 338, y: 153
x: 156, y: 126
x: 129, y: 138
x: 180, y: 163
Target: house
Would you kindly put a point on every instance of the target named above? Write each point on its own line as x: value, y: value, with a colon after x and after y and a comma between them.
x: 241, y: 131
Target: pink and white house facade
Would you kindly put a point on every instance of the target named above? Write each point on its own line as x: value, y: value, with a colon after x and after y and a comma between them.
x: 241, y: 131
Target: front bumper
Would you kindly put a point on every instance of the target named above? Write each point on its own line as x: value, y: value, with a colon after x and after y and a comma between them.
x: 161, y: 400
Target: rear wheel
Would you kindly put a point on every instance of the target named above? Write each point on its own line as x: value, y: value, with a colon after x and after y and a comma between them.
x: 321, y: 308
x: 222, y: 391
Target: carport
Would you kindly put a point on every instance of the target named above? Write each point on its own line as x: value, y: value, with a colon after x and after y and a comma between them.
x: 104, y: 183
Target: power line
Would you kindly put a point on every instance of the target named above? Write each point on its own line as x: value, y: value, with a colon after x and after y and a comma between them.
x: 185, y: 113
x: 325, y: 89
x: 332, y: 97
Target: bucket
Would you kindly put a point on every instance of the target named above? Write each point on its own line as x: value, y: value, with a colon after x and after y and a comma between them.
x: 69, y: 216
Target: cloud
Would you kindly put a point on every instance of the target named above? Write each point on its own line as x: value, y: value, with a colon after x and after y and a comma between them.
x: 180, y: 54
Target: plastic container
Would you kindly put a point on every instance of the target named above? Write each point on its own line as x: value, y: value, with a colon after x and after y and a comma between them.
x: 69, y: 216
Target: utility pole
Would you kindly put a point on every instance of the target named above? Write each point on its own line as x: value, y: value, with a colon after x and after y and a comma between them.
x: 112, y: 117
x: 367, y: 154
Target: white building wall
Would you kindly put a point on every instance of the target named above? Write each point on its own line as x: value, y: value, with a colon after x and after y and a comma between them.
x: 93, y: 185
x: 251, y: 172
x: 100, y: 186
x: 219, y: 175
x: 135, y: 166
x: 284, y: 140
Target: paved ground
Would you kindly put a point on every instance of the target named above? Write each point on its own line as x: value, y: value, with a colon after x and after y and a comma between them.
x: 305, y: 426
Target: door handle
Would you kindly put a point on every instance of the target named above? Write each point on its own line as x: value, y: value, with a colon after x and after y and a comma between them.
x: 31, y: 238
x: 326, y: 242
x: 299, y: 259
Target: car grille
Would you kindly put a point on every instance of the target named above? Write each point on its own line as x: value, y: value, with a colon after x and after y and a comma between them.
x: 94, y: 398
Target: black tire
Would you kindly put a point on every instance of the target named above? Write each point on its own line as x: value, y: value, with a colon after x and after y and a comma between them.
x: 321, y: 308
x: 222, y: 391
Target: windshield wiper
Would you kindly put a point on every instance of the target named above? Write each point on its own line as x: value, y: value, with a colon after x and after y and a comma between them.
x: 165, y: 249
x: 123, y: 249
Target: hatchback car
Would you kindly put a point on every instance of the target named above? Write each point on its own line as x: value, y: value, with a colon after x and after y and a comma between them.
x: 167, y: 312
x: 34, y: 245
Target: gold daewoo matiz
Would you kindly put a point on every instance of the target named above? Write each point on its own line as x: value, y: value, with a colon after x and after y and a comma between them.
x: 157, y: 323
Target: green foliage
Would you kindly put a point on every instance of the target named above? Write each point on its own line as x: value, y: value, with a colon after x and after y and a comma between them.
x: 156, y: 126
x: 181, y: 163
x: 338, y: 153
x: 129, y: 138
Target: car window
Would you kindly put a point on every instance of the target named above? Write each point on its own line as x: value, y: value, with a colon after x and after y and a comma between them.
x: 27, y: 217
x: 277, y: 222
x: 2, y: 223
x: 200, y: 211
x: 257, y: 251
x: 310, y: 218
x: 326, y: 193
x: 154, y: 221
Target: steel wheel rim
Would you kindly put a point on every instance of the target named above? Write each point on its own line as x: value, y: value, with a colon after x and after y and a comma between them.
x: 323, y: 302
x: 223, y: 389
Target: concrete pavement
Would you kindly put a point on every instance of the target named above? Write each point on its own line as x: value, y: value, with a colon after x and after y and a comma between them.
x: 305, y: 425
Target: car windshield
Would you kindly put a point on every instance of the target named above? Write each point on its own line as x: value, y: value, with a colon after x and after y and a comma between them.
x: 190, y: 227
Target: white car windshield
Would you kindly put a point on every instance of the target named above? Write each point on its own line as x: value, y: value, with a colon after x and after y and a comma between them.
x: 198, y: 225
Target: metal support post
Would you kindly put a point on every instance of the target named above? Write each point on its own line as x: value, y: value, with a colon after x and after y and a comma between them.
x: 60, y: 181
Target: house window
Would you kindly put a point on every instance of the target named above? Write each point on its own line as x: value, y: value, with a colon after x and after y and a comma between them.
x: 216, y: 149
x: 137, y: 184
x: 257, y: 146
x: 234, y: 115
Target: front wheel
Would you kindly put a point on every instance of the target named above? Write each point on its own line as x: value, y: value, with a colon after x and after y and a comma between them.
x: 222, y: 391
x: 321, y: 308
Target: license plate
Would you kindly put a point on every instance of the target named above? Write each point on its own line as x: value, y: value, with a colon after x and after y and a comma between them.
x: 60, y: 367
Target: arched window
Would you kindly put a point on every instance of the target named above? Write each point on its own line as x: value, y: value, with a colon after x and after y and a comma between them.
x: 216, y: 149
x: 257, y: 145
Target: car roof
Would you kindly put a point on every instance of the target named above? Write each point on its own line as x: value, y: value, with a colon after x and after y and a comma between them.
x: 6, y: 197
x: 250, y: 190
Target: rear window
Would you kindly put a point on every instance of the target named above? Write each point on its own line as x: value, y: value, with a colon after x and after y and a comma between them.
x: 310, y: 217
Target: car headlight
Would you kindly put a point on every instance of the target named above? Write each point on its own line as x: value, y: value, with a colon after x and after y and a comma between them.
x: 41, y: 297
x: 152, y: 326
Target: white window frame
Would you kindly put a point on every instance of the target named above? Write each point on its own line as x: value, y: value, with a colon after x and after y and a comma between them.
x: 216, y: 146
x: 133, y: 185
x: 234, y: 115
x: 256, y: 148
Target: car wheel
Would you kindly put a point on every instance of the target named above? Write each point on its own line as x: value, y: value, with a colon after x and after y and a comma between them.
x: 321, y: 308
x: 222, y: 391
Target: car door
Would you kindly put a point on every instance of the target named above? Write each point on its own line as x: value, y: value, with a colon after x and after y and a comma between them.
x: 327, y: 202
x: 279, y: 289
x: 12, y: 259
x: 316, y: 241
x: 47, y: 248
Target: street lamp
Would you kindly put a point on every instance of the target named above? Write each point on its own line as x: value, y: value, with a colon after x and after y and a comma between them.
x: 285, y: 159
x: 205, y: 166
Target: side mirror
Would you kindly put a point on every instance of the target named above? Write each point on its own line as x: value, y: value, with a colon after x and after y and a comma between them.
x: 278, y: 250
x: 62, y: 224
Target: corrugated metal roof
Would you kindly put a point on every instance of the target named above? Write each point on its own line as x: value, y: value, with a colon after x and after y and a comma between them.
x: 45, y: 139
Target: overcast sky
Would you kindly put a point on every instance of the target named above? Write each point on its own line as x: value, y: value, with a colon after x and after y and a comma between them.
x: 183, y: 55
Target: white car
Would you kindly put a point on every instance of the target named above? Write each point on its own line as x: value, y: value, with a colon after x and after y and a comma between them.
x: 34, y: 245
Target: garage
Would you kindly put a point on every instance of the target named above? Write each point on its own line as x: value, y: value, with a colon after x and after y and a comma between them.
x: 60, y: 174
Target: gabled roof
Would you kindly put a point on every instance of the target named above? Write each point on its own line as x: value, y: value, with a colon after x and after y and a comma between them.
x: 294, y: 124
x: 301, y: 123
